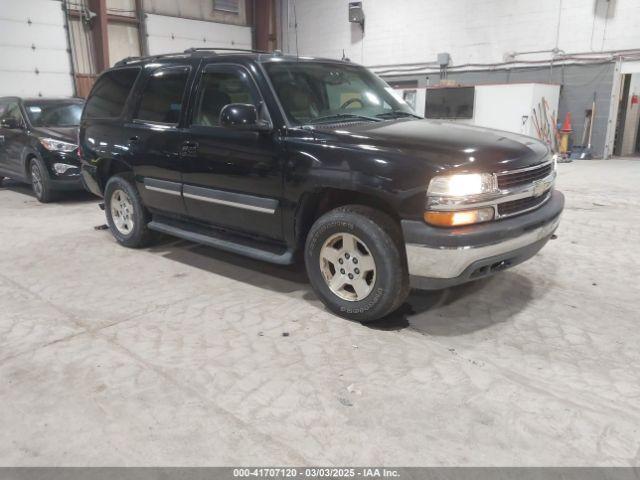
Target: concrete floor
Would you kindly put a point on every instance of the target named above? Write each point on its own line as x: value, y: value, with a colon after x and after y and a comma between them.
x: 176, y: 355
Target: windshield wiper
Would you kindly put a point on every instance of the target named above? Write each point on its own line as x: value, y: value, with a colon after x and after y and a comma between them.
x: 337, y: 116
x: 397, y: 114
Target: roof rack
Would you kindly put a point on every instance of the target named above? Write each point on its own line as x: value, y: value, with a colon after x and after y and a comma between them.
x: 223, y: 49
x: 126, y: 60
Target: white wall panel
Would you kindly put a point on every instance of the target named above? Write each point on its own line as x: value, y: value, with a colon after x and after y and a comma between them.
x: 171, y: 34
x: 195, y: 9
x: 33, y: 49
x: 473, y: 31
x: 510, y: 107
x: 123, y: 41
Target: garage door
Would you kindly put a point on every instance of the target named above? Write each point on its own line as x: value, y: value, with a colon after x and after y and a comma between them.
x: 171, y: 34
x: 33, y: 49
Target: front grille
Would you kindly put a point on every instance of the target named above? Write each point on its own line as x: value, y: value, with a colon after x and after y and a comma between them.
x: 515, y: 179
x: 516, y: 206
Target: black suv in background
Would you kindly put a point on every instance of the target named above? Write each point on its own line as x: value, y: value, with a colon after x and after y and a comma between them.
x: 268, y: 155
x: 38, y: 143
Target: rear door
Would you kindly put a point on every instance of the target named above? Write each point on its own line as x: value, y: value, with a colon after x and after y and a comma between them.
x: 154, y: 138
x: 103, y: 137
x: 232, y: 178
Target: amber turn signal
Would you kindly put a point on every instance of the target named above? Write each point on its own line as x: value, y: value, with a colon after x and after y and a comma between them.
x: 459, y: 218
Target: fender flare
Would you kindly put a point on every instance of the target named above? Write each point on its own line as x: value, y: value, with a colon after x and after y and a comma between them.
x: 104, y: 166
x: 27, y: 153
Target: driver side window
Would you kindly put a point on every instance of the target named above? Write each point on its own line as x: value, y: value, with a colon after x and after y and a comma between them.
x: 218, y: 89
x: 11, y: 110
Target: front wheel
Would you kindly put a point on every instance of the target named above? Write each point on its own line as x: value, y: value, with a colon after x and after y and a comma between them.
x: 126, y: 215
x: 356, y: 264
x: 40, y: 181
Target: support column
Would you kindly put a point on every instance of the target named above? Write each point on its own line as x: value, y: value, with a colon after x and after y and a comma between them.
x: 99, y: 31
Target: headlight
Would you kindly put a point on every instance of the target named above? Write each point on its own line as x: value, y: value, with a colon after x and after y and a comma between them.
x: 461, y: 185
x: 57, y: 145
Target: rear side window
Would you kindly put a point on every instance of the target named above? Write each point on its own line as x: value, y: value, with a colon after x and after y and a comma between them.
x: 162, y: 96
x: 110, y: 93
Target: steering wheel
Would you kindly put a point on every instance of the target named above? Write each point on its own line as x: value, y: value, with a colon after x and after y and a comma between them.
x: 350, y: 101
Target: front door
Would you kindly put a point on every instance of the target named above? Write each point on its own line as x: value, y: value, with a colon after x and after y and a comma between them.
x: 12, y: 140
x: 154, y: 139
x: 232, y: 178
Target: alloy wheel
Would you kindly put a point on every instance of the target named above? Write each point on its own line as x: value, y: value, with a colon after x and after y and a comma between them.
x: 348, y: 267
x: 36, y: 180
x: 122, y: 212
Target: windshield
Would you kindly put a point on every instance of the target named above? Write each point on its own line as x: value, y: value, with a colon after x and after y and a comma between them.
x: 313, y: 93
x: 54, y: 114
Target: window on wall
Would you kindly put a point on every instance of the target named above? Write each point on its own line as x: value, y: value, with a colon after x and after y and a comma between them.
x: 227, y: 6
x: 162, y: 96
x: 449, y: 102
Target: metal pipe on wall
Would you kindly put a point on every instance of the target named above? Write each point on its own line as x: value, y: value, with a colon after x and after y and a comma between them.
x: 70, y: 47
x: 142, y: 28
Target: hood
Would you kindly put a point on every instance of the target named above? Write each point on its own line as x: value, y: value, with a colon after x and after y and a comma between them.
x: 444, y: 146
x: 67, y: 134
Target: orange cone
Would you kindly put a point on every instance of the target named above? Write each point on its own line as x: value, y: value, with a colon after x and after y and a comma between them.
x: 566, y: 126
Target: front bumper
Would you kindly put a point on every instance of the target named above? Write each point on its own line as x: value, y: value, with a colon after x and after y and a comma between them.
x: 440, y: 258
x: 68, y: 183
x: 70, y: 180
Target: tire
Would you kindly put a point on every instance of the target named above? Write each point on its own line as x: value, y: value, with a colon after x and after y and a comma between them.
x: 40, y: 181
x: 126, y: 215
x: 352, y: 236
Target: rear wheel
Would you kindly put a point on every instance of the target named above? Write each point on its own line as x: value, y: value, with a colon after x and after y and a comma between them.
x: 126, y: 215
x: 40, y: 181
x: 356, y: 264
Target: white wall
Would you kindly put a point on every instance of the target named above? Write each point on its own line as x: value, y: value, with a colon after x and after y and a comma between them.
x: 472, y: 31
x: 171, y: 34
x: 510, y: 107
x: 193, y: 9
x: 123, y: 41
x: 33, y: 37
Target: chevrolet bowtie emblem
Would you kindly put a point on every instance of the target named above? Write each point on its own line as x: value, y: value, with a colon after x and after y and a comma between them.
x: 539, y: 188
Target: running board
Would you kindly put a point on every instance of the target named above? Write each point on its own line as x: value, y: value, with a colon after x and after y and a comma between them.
x: 224, y: 241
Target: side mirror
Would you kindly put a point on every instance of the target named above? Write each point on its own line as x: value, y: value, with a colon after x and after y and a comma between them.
x: 10, y: 124
x: 242, y: 116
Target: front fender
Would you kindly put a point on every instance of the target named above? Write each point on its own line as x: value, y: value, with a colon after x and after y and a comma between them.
x: 28, y: 152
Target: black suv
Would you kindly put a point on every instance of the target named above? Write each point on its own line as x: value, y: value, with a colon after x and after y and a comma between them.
x: 38, y: 143
x: 269, y: 156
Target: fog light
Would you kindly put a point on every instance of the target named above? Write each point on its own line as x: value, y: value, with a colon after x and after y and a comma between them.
x: 456, y: 219
x: 61, y: 168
